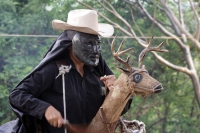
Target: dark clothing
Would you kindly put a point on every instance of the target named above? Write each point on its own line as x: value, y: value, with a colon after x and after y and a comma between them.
x: 27, y: 123
x: 41, y: 89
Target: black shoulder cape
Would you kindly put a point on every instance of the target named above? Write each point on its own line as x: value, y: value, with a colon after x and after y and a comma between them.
x: 26, y: 123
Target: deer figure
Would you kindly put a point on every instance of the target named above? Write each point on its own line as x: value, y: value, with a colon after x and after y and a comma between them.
x: 132, y: 81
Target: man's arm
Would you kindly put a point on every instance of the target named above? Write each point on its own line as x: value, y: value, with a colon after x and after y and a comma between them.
x: 25, y: 96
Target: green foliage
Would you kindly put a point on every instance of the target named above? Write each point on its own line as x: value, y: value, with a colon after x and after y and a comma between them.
x: 19, y: 55
x: 175, y: 108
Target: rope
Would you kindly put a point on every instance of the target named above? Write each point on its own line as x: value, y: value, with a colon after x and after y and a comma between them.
x: 54, y: 36
x: 21, y: 35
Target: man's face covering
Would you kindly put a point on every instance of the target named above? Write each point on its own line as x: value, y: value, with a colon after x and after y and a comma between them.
x: 86, y: 48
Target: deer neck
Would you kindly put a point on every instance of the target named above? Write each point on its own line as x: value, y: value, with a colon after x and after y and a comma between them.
x: 116, y: 99
x: 121, y: 82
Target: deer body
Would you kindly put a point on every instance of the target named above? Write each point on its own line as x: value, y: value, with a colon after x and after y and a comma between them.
x: 134, y: 81
x: 109, y: 113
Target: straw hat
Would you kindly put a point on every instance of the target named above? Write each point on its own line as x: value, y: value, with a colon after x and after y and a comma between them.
x: 84, y: 20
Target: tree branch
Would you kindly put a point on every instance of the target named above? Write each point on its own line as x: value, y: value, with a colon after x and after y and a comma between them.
x: 156, y: 122
x: 123, y: 20
x: 190, y: 37
x: 198, y: 20
x: 107, y: 19
x: 113, y: 12
x: 110, y: 6
x: 166, y: 32
x: 181, y: 20
x: 136, y: 23
x: 175, y: 67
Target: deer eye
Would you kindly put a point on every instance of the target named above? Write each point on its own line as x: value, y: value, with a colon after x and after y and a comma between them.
x: 137, y: 77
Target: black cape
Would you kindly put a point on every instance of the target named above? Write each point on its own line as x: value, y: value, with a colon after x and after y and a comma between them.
x: 26, y: 123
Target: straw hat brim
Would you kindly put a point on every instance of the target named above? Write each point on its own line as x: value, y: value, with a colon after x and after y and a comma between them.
x: 105, y: 30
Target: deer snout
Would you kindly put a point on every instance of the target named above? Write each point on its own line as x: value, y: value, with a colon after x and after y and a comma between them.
x: 158, y: 89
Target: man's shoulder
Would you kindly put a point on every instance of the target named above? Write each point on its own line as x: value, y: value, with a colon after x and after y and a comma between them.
x: 61, y: 62
x: 54, y: 64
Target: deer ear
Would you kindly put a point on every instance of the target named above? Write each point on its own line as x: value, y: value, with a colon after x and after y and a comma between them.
x: 124, y: 70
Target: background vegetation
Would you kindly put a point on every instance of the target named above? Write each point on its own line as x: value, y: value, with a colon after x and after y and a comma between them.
x: 174, y: 110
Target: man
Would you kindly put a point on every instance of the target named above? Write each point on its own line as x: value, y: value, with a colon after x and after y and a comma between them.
x: 38, y: 98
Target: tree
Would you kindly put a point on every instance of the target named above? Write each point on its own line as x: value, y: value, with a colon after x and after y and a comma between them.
x: 168, y: 17
x: 173, y: 110
x: 139, y: 20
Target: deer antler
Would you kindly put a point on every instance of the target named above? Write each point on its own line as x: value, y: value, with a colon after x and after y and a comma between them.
x: 118, y: 53
x: 147, y: 49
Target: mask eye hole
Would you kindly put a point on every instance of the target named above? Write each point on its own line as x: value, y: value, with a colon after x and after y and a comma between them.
x: 137, y: 77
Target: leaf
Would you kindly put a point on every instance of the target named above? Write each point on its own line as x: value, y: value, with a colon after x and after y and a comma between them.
x: 1, y: 114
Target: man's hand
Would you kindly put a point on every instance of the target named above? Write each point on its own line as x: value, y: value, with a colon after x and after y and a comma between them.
x: 108, y: 81
x: 54, y: 117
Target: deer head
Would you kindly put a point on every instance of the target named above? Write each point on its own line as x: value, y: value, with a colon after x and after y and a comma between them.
x: 138, y: 79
